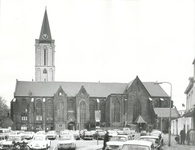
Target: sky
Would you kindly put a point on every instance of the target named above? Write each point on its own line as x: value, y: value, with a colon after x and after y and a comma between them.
x: 101, y: 41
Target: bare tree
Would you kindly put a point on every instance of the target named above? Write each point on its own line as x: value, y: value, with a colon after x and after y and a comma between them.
x: 4, y: 110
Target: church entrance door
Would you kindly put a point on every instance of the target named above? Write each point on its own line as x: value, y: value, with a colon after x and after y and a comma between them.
x: 71, y: 126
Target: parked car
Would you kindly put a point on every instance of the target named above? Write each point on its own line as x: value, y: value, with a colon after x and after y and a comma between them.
x: 66, y: 141
x: 52, y: 135
x: 159, y: 134
x: 116, y: 142
x: 112, y: 133
x: 41, y: 132
x: 87, y: 135
x: 154, y: 139
x: 99, y: 135
x: 27, y: 135
x: 39, y: 141
x: 76, y: 134
x: 138, y: 145
x: 12, y: 141
x: 2, y: 139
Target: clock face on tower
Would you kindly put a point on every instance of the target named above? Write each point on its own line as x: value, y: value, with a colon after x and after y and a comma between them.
x: 45, y: 36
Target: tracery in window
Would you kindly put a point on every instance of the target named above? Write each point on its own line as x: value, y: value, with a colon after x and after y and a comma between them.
x: 60, y: 109
x: 45, y: 55
x: 136, y: 109
x: 38, y: 110
x: 82, y: 112
x: 24, y: 110
x: 49, y: 110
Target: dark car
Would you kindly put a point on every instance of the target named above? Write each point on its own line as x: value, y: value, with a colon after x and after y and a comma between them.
x: 87, y: 135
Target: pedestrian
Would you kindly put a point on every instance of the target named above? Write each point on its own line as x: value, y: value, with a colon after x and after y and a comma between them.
x: 106, y: 139
x: 183, y: 136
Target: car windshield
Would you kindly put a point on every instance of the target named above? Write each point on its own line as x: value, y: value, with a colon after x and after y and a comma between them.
x: 65, y: 137
x: 51, y: 132
x: 135, y: 147
x: 88, y: 133
x: 118, y: 138
x: 40, y: 138
x: 14, y: 138
x: 149, y: 139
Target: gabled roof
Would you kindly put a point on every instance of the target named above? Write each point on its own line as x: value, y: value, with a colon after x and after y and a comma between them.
x: 45, y: 35
x: 139, y: 119
x: 94, y: 89
x: 155, y: 90
x: 165, y: 112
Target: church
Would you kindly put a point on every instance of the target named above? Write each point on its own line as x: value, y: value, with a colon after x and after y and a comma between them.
x: 46, y: 104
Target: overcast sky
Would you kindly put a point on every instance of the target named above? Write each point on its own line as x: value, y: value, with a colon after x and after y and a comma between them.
x: 101, y: 40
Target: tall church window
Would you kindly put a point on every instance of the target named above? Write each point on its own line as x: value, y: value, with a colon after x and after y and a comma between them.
x: 116, y: 110
x: 82, y: 112
x: 60, y: 109
x: 71, y: 114
x: 49, y: 110
x: 39, y: 110
x: 24, y: 110
x: 92, y: 106
x: 136, y: 109
x: 44, y: 71
x: 102, y: 108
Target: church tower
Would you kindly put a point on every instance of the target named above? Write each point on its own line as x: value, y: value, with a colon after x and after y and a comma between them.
x: 45, y: 53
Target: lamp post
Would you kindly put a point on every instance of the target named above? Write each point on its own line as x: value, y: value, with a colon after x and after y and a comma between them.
x: 169, y: 110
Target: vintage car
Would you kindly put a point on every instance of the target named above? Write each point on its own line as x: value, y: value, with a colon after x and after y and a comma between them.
x: 159, y: 134
x: 2, y: 139
x: 52, y: 135
x: 116, y: 142
x: 40, y: 132
x: 14, y: 140
x: 99, y: 135
x: 66, y: 141
x: 76, y: 134
x: 155, y: 140
x: 87, y: 135
x: 137, y: 145
x: 27, y: 135
x: 40, y: 142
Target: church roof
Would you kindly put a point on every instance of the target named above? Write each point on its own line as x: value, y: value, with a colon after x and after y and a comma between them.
x: 94, y: 89
x: 155, y: 90
x: 45, y: 35
x: 164, y: 112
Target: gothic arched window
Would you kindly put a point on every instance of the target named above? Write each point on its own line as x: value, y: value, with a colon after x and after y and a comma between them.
x: 24, y: 110
x: 92, y: 106
x: 136, y: 109
x: 116, y: 110
x: 49, y: 110
x: 44, y: 71
x: 39, y: 110
x: 82, y: 112
x: 60, y: 109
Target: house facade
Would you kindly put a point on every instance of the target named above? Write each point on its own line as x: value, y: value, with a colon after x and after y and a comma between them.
x: 46, y: 104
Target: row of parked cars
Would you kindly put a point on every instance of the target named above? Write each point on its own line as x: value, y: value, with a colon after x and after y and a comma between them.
x: 146, y: 141
x: 18, y: 140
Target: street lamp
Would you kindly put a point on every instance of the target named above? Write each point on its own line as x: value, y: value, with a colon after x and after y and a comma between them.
x: 169, y: 110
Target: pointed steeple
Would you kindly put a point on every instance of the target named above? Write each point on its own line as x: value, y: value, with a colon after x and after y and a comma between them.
x: 45, y: 35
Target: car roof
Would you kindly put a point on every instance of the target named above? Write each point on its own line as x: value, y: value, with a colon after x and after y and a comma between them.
x: 149, y: 137
x: 138, y: 142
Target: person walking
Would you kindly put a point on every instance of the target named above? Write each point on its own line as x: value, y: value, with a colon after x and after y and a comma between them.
x: 183, y: 136
x: 106, y: 139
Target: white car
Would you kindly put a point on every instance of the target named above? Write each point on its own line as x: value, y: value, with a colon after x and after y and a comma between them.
x: 27, y: 135
x: 154, y: 139
x: 51, y: 135
x: 138, y: 145
x: 66, y: 141
x: 40, y: 141
x: 116, y: 142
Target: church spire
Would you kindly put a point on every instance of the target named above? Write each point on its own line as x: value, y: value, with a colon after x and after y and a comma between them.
x: 45, y: 35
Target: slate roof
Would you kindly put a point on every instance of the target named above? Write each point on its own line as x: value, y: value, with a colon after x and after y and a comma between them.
x: 94, y: 89
x: 164, y: 112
